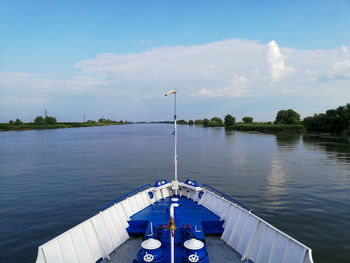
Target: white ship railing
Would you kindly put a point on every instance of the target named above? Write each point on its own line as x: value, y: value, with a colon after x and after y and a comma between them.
x: 251, y: 236
x: 100, y: 235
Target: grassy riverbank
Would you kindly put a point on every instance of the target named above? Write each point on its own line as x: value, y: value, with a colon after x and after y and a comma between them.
x: 58, y: 125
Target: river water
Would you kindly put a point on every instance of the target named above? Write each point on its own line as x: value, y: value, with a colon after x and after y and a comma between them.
x: 51, y: 180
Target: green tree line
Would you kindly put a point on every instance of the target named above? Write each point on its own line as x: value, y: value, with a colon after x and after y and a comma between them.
x: 335, y: 121
x: 50, y: 122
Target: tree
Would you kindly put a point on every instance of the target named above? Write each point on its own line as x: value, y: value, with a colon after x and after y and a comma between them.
x: 287, y: 117
x: 190, y: 122
x: 18, y: 122
x: 229, y: 120
x: 205, y: 122
x: 39, y: 120
x: 216, y: 121
x: 11, y: 121
x: 50, y: 120
x: 198, y: 122
x: 181, y: 122
x: 334, y: 121
x: 247, y: 119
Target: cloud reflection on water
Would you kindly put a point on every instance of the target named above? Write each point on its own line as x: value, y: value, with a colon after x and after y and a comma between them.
x: 276, y: 184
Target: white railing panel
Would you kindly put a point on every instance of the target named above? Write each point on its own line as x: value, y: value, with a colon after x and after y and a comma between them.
x: 158, y: 195
x: 141, y: 204
x: 133, y: 204
x: 52, y: 252
x: 67, y: 248
x: 266, y: 245
x: 210, y: 202
x: 201, y: 201
x: 146, y: 199
x: 196, y: 197
x: 92, y: 240
x: 127, y: 208
x: 111, y: 229
x: 308, y: 257
x: 224, y: 211
x: 279, y: 248
x: 234, y: 214
x: 80, y: 244
x: 193, y: 194
x: 221, y: 207
x: 215, y: 201
x: 102, y: 233
x: 121, y: 228
x: 40, y: 257
x: 238, y: 228
x: 121, y: 214
x: 207, y: 200
x: 165, y: 192
x: 295, y: 253
x: 182, y: 192
x: 247, y: 234
x: 218, y: 206
x: 257, y: 242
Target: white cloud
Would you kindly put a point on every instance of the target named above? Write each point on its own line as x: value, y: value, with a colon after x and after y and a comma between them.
x: 238, y: 87
x: 341, y: 69
x: 276, y: 61
x: 344, y: 49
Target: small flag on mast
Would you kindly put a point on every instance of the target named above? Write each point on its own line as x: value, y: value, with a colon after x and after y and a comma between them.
x: 171, y: 92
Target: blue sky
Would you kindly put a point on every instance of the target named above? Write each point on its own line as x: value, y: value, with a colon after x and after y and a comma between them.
x: 116, y: 59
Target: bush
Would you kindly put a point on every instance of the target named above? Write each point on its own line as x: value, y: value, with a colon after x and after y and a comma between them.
x: 39, y: 120
x: 247, y: 119
x: 18, y: 122
x: 205, y: 122
x: 333, y: 121
x: 50, y: 120
x: 287, y: 117
x: 181, y: 122
x: 229, y: 120
x: 216, y: 121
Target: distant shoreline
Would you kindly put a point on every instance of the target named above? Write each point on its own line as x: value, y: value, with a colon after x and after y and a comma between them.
x: 268, y: 127
x: 59, y: 125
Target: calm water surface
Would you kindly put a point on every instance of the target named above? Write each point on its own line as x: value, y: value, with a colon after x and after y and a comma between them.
x: 51, y: 180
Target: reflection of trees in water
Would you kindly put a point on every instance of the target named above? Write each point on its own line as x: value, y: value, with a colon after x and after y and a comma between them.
x: 287, y: 141
x: 335, y: 147
x: 229, y: 135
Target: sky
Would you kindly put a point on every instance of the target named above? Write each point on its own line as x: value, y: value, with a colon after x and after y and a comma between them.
x: 116, y: 59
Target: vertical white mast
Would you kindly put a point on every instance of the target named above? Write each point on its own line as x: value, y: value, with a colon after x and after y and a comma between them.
x: 175, y: 182
x: 175, y: 155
